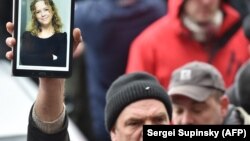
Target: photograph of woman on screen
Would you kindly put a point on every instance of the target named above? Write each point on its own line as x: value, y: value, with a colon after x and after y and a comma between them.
x: 43, y: 44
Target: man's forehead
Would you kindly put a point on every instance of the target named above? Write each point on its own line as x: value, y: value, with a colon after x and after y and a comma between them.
x: 144, y: 103
x: 144, y: 107
x: 183, y: 101
x: 179, y: 99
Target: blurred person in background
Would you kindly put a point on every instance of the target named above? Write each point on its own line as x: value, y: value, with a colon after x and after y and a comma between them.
x: 197, y: 92
x: 205, y: 30
x: 239, y: 92
x: 109, y: 27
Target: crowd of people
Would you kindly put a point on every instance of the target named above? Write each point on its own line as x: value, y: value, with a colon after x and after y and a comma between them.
x: 181, y: 66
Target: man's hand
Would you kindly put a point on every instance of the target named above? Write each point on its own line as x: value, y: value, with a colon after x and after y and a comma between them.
x: 50, y: 100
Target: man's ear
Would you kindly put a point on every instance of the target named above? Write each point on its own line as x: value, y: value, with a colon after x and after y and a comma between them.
x: 224, y: 102
x: 113, y: 134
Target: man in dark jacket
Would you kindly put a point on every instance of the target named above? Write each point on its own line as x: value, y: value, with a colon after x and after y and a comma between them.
x: 109, y: 28
x: 239, y: 92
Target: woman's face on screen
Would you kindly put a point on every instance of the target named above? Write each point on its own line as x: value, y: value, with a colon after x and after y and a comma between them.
x: 44, y: 13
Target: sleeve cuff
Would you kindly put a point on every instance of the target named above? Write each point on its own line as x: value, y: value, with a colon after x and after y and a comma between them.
x: 52, y: 126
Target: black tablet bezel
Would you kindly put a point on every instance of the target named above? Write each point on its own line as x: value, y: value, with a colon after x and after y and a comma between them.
x: 54, y: 73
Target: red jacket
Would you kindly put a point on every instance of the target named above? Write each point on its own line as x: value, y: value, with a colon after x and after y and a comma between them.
x: 167, y: 44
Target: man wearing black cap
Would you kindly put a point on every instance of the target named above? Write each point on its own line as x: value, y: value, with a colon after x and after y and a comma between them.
x: 134, y: 100
x: 197, y: 93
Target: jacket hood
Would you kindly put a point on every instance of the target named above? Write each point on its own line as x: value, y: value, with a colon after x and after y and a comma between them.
x: 174, y: 7
x: 230, y: 18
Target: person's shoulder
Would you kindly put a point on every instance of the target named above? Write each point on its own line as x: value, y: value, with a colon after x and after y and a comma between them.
x: 27, y: 34
x: 61, y: 34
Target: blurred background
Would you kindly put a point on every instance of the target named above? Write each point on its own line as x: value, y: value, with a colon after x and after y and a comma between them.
x: 17, y: 94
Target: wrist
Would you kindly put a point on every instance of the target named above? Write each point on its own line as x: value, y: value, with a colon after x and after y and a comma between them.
x: 49, y: 127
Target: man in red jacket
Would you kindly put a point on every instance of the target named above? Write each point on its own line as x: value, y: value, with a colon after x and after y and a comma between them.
x: 192, y: 30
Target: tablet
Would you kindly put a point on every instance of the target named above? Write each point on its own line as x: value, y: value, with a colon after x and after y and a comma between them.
x: 44, y: 41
